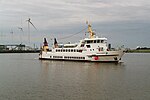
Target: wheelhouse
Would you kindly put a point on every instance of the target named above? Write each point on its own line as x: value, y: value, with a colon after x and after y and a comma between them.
x: 96, y: 40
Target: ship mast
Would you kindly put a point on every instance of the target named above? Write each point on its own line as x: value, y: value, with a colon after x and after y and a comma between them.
x: 92, y: 34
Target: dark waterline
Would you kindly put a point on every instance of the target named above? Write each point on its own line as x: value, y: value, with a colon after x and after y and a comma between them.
x: 24, y: 77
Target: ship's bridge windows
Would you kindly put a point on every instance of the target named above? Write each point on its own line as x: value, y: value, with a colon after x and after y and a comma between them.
x: 98, y: 41
x: 89, y: 41
x: 95, y: 41
x: 102, y: 41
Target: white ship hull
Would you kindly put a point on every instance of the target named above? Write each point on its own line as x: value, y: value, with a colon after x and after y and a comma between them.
x: 109, y: 56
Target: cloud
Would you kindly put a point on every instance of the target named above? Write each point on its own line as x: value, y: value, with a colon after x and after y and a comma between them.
x: 62, y: 15
x: 76, y: 11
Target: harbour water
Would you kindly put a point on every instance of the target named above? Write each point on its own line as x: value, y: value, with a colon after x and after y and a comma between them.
x: 25, y: 77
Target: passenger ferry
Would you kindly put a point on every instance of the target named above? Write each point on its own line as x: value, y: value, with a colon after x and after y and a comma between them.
x: 92, y: 49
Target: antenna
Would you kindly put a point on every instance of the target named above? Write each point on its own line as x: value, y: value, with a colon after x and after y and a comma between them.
x: 90, y: 30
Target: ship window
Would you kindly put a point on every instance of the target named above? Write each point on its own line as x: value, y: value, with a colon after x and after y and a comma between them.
x: 63, y: 50
x: 88, y: 46
x: 50, y: 50
x: 82, y: 45
x: 66, y: 57
x: 82, y: 57
x: 79, y: 51
x: 57, y: 57
x: 71, y: 50
x: 94, y: 41
x: 47, y: 49
x: 88, y: 42
x: 101, y: 49
x: 102, y: 41
x: 98, y: 41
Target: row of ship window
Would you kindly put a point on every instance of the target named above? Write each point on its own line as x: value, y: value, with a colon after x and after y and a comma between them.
x: 95, y: 41
x: 68, y: 50
x: 67, y: 57
x: 75, y: 50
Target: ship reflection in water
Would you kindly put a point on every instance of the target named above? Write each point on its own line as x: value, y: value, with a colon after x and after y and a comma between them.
x: 22, y: 77
x: 79, y: 80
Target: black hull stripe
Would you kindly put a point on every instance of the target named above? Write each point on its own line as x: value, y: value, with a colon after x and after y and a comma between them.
x: 79, y: 60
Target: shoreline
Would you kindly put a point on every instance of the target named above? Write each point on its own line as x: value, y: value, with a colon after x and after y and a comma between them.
x: 20, y: 51
x: 138, y: 51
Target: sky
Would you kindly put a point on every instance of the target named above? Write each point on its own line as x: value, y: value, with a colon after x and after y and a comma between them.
x: 123, y: 22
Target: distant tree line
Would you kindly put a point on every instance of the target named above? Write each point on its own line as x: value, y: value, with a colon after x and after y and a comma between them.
x: 142, y: 48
